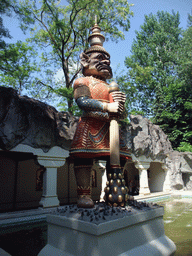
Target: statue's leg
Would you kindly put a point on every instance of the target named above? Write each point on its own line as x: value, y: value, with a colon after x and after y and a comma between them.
x: 82, y: 168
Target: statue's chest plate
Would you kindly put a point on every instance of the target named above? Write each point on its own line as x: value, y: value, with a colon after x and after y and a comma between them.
x: 99, y: 91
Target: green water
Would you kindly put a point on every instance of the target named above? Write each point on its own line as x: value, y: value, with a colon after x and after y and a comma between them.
x: 30, y: 239
x: 178, y: 224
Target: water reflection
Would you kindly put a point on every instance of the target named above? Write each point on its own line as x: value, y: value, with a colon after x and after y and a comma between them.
x: 178, y: 224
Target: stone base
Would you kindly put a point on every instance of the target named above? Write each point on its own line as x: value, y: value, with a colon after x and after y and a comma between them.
x: 137, y: 234
x: 49, y: 201
x: 4, y: 253
x: 144, y: 191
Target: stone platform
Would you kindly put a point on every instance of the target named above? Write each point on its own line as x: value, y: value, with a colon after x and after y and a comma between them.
x: 102, y: 231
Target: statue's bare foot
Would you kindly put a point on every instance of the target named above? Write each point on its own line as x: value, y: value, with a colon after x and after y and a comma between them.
x: 85, y: 202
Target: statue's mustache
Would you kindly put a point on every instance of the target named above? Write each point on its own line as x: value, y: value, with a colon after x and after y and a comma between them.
x: 101, y: 66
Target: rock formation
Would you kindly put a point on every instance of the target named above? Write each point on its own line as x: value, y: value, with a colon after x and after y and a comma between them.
x: 145, y: 138
x: 24, y: 120
x: 180, y: 166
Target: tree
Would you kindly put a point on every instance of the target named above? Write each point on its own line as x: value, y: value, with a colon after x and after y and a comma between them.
x: 17, y: 67
x: 151, y: 67
x: 16, y: 64
x: 4, y: 9
x: 153, y: 73
x: 10, y: 54
x: 184, y: 94
x: 7, y: 7
x: 61, y: 32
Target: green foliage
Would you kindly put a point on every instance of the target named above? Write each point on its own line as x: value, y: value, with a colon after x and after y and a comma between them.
x: 152, y: 63
x: 16, y: 67
x: 189, y: 21
x: 7, y: 7
x: 4, y: 10
x: 61, y: 32
x: 185, y: 147
x: 183, y: 93
x: 160, y: 75
x: 185, y: 56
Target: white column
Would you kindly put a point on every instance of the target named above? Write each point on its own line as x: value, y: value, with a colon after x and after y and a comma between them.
x: 51, y: 160
x: 102, y: 165
x: 166, y: 185
x: 49, y: 196
x: 143, y: 178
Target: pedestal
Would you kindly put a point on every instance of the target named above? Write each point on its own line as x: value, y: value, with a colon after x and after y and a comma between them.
x: 143, y: 178
x: 167, y: 185
x: 49, y: 196
x: 51, y: 160
x: 134, y: 235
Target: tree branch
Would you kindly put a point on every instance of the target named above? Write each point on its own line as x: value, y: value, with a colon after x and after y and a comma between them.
x: 50, y: 35
x: 48, y: 86
x: 75, y: 75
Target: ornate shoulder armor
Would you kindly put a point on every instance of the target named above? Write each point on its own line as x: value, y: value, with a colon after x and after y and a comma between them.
x: 81, y: 88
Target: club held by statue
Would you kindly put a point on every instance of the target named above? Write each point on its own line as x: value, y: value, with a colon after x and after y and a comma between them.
x: 116, y: 193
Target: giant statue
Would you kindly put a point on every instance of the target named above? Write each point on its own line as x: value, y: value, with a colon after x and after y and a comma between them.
x: 97, y: 133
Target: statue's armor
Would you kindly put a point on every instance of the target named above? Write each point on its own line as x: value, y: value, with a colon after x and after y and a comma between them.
x: 91, y: 139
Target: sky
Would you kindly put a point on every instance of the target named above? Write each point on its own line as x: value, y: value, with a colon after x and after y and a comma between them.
x: 120, y: 50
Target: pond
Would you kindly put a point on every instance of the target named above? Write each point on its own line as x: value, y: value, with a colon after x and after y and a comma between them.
x: 30, y: 239
x: 178, y: 224
x: 25, y: 240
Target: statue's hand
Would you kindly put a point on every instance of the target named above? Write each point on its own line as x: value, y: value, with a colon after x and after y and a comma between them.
x: 115, y: 107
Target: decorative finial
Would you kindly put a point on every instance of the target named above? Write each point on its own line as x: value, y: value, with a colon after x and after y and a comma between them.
x: 95, y: 19
x: 96, y: 39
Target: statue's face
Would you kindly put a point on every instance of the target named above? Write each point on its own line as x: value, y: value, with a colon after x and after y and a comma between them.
x: 97, y: 64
